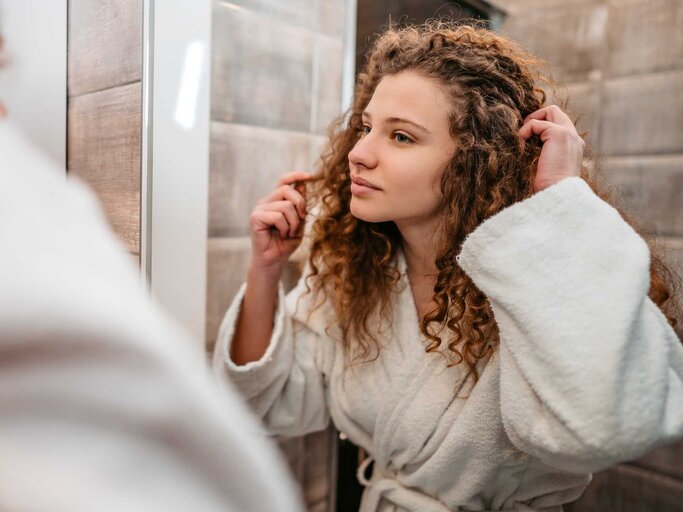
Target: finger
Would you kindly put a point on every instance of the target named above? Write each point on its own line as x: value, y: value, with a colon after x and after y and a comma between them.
x: 285, y: 192
x: 551, y: 113
x: 263, y: 220
x: 288, y: 210
x: 300, y: 187
x: 291, y: 177
x: 536, y: 127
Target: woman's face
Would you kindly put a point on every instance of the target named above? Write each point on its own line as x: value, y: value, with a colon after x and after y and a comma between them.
x: 401, y: 152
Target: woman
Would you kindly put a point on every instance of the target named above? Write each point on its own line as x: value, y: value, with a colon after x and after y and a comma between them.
x: 472, y: 314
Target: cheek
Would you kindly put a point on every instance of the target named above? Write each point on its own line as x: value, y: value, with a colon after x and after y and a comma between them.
x: 419, y: 183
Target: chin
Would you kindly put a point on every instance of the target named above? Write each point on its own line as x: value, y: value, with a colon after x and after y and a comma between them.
x: 365, y: 212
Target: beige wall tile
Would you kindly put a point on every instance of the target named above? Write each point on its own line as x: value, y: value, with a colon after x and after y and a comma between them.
x: 262, y: 70
x: 105, y: 44
x: 104, y: 134
x: 245, y: 165
x: 642, y: 115
x: 644, y: 36
x: 651, y: 189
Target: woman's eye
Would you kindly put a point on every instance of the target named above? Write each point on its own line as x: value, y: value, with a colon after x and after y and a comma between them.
x: 402, y: 138
x: 365, y: 130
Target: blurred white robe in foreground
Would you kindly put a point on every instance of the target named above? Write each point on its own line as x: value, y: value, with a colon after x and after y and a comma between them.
x: 104, y: 403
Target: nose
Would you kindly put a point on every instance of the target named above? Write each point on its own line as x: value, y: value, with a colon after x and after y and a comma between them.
x: 364, y: 153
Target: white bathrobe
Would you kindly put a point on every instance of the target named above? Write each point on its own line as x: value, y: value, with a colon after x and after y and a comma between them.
x: 588, y: 372
x: 105, y: 404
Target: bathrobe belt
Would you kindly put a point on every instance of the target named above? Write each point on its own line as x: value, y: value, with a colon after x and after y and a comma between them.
x: 384, y: 485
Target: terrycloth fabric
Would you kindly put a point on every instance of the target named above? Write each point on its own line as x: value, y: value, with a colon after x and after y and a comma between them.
x: 588, y: 372
x: 104, y: 403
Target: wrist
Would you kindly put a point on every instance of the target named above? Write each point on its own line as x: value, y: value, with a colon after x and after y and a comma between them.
x: 264, y: 272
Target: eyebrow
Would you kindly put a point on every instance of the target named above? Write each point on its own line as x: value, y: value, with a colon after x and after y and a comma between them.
x: 398, y: 120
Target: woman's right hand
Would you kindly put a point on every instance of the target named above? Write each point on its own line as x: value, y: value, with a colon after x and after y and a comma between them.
x: 277, y: 222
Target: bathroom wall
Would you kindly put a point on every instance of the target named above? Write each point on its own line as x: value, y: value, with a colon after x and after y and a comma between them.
x: 276, y: 85
x: 104, y: 114
x: 622, y: 64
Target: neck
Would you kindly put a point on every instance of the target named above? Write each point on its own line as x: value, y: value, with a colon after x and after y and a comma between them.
x: 419, y: 247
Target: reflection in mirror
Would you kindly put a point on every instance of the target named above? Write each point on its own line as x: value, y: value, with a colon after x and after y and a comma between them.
x: 277, y: 82
x: 272, y: 77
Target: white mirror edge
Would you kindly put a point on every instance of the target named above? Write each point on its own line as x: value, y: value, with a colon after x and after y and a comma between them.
x: 175, y: 157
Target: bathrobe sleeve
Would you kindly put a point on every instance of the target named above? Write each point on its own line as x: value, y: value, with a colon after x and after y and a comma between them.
x: 591, y: 371
x: 286, y: 387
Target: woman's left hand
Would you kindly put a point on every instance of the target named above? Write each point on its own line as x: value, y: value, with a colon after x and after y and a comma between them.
x: 562, y: 152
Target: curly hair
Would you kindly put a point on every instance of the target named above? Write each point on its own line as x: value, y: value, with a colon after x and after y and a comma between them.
x: 493, y: 85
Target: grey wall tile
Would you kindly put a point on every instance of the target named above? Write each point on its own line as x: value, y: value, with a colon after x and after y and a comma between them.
x: 245, y: 165
x: 629, y: 489
x: 644, y: 35
x: 293, y: 448
x: 642, y: 115
x: 666, y: 460
x: 296, y: 12
x: 331, y: 16
x: 319, y: 144
x: 570, y: 37
x: 517, y: 7
x: 584, y: 105
x: 104, y: 134
x: 651, y: 189
x: 329, y: 61
x: 105, y: 44
x: 227, y: 261
x: 135, y: 259
x: 321, y: 506
x: 316, y: 475
x: 261, y: 70
x: 325, y: 16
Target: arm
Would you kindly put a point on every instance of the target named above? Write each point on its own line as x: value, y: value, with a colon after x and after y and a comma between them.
x: 254, y: 326
x: 591, y: 371
x: 285, y: 386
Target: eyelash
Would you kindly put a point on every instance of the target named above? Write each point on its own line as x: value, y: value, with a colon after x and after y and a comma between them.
x: 407, y: 142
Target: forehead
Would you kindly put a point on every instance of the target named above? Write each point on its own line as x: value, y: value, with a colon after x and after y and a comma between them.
x: 412, y: 96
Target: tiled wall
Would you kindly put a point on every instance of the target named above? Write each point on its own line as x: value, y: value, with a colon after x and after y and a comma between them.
x: 622, y: 64
x: 104, y: 108
x: 276, y: 85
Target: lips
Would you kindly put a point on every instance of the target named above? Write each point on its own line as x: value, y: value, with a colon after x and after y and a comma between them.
x: 360, y: 181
